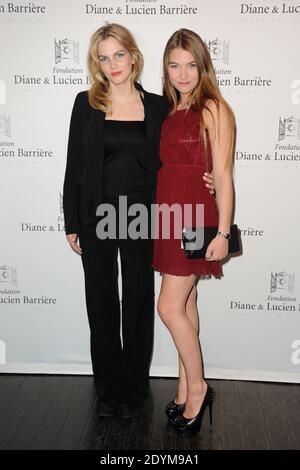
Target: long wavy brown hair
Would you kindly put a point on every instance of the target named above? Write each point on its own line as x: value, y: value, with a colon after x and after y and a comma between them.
x: 99, y: 92
x: 206, y: 88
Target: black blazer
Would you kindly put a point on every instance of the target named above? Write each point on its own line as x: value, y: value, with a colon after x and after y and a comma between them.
x: 83, y: 183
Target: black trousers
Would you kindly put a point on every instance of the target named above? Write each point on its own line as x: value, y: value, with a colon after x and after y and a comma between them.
x: 121, y: 338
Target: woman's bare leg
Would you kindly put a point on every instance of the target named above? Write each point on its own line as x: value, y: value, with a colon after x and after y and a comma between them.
x: 172, y: 310
x: 192, y: 313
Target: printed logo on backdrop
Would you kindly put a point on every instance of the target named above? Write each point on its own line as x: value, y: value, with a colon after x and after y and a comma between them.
x: 219, y: 50
x: 66, y: 50
x: 252, y: 233
x: 5, y: 125
x: 65, y: 72
x: 2, y: 92
x: 66, y: 54
x: 10, y: 293
x: 282, y: 282
x: 29, y: 9
x: 60, y: 217
x: 8, y: 149
x: 295, y: 95
x: 287, y: 148
x: 144, y: 8
x: 271, y: 11
x: 289, y: 128
x: 280, y: 299
x: 8, y: 274
x: 58, y: 226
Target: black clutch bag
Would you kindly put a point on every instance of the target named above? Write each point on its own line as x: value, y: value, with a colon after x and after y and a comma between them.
x: 195, y: 240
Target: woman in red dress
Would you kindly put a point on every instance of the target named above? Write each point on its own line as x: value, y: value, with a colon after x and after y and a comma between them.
x: 197, y: 135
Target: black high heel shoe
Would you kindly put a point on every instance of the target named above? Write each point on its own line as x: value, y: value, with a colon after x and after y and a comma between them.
x: 173, y: 409
x: 186, y: 427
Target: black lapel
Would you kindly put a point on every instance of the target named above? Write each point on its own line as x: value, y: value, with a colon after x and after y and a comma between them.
x: 97, y: 130
x: 149, y: 119
x: 149, y: 114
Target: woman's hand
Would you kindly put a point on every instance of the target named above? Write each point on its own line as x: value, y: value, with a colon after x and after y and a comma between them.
x: 208, y: 177
x: 72, y: 239
x: 217, y: 249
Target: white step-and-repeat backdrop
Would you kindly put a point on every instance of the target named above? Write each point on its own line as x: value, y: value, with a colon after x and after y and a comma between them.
x: 250, y: 318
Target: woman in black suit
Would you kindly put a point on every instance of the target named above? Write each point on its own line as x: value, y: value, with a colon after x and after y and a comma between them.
x: 113, y: 151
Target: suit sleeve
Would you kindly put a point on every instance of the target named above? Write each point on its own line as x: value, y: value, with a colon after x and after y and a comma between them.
x: 74, y: 155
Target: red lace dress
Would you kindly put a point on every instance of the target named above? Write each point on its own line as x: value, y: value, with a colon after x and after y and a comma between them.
x: 180, y: 181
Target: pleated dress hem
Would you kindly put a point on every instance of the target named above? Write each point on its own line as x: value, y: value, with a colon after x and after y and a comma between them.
x: 181, y: 271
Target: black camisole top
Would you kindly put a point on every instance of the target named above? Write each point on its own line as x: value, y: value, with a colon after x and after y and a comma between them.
x: 125, y: 165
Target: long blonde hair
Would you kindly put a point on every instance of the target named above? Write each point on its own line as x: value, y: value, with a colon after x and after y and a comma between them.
x: 99, y: 91
x: 206, y: 88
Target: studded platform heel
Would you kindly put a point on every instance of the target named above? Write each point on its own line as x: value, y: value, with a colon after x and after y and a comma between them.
x: 173, y: 409
x: 186, y: 427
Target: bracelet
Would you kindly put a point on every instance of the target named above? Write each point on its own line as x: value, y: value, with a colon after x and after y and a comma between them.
x: 224, y: 235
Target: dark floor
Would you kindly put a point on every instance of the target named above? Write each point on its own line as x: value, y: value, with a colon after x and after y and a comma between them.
x: 60, y: 412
